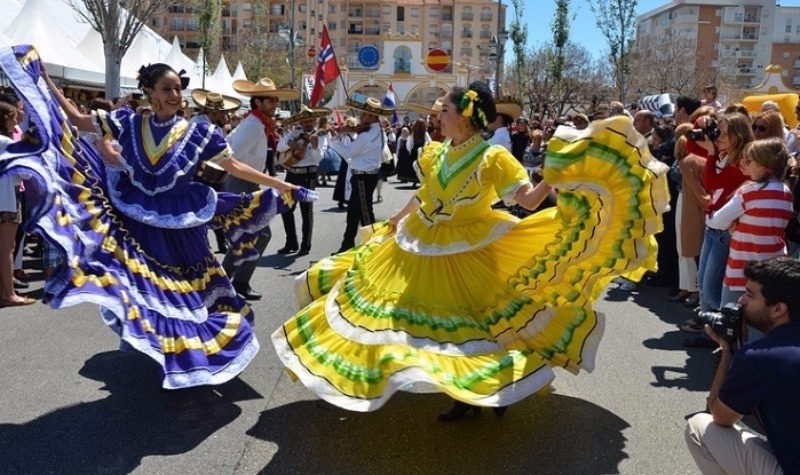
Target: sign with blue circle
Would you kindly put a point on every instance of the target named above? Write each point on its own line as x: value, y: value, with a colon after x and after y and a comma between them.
x: 368, y: 56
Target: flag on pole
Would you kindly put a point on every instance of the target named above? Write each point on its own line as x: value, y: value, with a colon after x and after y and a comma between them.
x: 327, y: 69
x: 338, y: 118
x: 390, y: 100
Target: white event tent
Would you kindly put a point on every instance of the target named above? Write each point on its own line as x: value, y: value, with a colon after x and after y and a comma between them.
x: 73, y: 51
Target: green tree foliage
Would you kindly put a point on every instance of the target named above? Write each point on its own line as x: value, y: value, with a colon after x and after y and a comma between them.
x: 208, y: 14
x: 518, y: 34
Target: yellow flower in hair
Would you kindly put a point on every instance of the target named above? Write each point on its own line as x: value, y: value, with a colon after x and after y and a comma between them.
x: 468, y: 98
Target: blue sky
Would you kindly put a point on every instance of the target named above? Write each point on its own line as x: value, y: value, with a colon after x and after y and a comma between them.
x: 583, y: 30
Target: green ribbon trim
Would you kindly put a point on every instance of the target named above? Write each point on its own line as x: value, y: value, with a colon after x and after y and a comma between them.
x: 446, y: 173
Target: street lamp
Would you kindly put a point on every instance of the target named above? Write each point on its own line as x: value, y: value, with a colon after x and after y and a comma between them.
x: 294, y: 39
x: 497, y: 43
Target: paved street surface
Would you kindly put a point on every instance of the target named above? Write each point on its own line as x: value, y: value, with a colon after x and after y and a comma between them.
x: 71, y: 403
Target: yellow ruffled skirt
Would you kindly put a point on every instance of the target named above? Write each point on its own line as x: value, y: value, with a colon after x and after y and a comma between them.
x: 485, y: 326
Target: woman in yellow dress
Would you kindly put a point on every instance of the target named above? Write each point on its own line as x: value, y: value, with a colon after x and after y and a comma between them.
x: 473, y: 300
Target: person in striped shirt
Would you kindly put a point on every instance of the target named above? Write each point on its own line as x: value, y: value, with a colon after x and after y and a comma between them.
x: 757, y: 213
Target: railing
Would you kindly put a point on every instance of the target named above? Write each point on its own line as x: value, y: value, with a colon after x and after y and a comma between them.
x: 355, y: 13
x: 402, y: 65
x: 466, y: 34
x: 466, y: 17
x: 486, y: 34
x: 447, y: 17
x: 372, y: 31
x: 486, y: 17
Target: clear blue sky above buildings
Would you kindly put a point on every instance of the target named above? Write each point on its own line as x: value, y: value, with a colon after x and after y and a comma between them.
x: 538, y: 15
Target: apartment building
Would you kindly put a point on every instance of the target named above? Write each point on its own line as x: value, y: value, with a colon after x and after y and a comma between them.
x: 466, y: 29
x: 734, y: 38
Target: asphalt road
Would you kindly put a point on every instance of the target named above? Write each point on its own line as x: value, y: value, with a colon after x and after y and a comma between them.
x: 71, y: 403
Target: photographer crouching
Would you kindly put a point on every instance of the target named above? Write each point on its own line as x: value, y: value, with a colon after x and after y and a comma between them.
x: 762, y: 378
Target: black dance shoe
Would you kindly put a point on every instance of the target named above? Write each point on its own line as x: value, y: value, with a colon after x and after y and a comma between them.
x: 287, y: 249
x: 246, y: 292
x: 499, y: 410
x: 458, y: 411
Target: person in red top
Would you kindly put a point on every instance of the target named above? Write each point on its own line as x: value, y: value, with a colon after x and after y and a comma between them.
x: 722, y: 176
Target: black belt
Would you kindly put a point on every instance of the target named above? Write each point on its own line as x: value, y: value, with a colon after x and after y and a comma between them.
x: 302, y: 170
x: 366, y: 172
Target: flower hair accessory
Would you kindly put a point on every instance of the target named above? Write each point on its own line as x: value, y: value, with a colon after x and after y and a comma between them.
x: 142, y: 73
x: 466, y: 103
x: 184, y: 79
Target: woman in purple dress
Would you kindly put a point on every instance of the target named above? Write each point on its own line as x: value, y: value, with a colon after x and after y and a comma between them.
x: 133, y: 225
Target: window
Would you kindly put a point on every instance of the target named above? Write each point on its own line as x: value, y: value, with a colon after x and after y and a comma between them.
x: 246, y: 6
x: 176, y: 24
x: 486, y: 14
x: 302, y: 8
x: 402, y: 59
x: 415, y: 12
x: 433, y: 12
x: 331, y: 8
x: 331, y: 25
x: 154, y: 22
x: 401, y: 14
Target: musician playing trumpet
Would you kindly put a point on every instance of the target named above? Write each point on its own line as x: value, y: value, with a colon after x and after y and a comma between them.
x: 301, y: 150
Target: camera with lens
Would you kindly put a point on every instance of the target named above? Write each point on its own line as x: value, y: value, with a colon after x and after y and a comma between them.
x: 726, y: 323
x: 711, y: 130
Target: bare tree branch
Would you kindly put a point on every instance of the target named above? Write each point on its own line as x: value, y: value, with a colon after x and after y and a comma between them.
x: 118, y: 23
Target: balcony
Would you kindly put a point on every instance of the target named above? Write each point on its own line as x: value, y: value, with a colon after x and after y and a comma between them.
x: 355, y: 13
x: 486, y: 17
x: 486, y: 34
x: 402, y: 65
x: 467, y: 17
x: 447, y: 16
x: 752, y: 19
x: 372, y: 30
x: 372, y: 13
x: 466, y: 33
x: 446, y: 34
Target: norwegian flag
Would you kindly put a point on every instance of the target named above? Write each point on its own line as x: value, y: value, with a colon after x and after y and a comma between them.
x: 327, y: 69
x: 390, y: 100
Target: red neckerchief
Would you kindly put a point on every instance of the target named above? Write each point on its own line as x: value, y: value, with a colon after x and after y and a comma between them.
x: 267, y: 122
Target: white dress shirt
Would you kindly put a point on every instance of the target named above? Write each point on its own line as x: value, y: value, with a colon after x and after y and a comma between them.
x: 364, y: 153
x: 249, y: 142
x: 501, y: 137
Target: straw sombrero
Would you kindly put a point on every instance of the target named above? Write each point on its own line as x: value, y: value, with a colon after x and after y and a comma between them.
x: 422, y: 110
x: 509, y: 106
x: 265, y: 87
x: 370, y: 105
x: 306, y: 113
x: 211, y: 100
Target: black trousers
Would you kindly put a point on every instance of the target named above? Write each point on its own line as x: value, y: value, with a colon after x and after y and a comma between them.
x: 241, y: 275
x: 359, y: 208
x: 307, y: 180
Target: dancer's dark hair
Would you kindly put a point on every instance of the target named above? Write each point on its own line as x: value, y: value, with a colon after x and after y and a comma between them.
x: 484, y: 111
